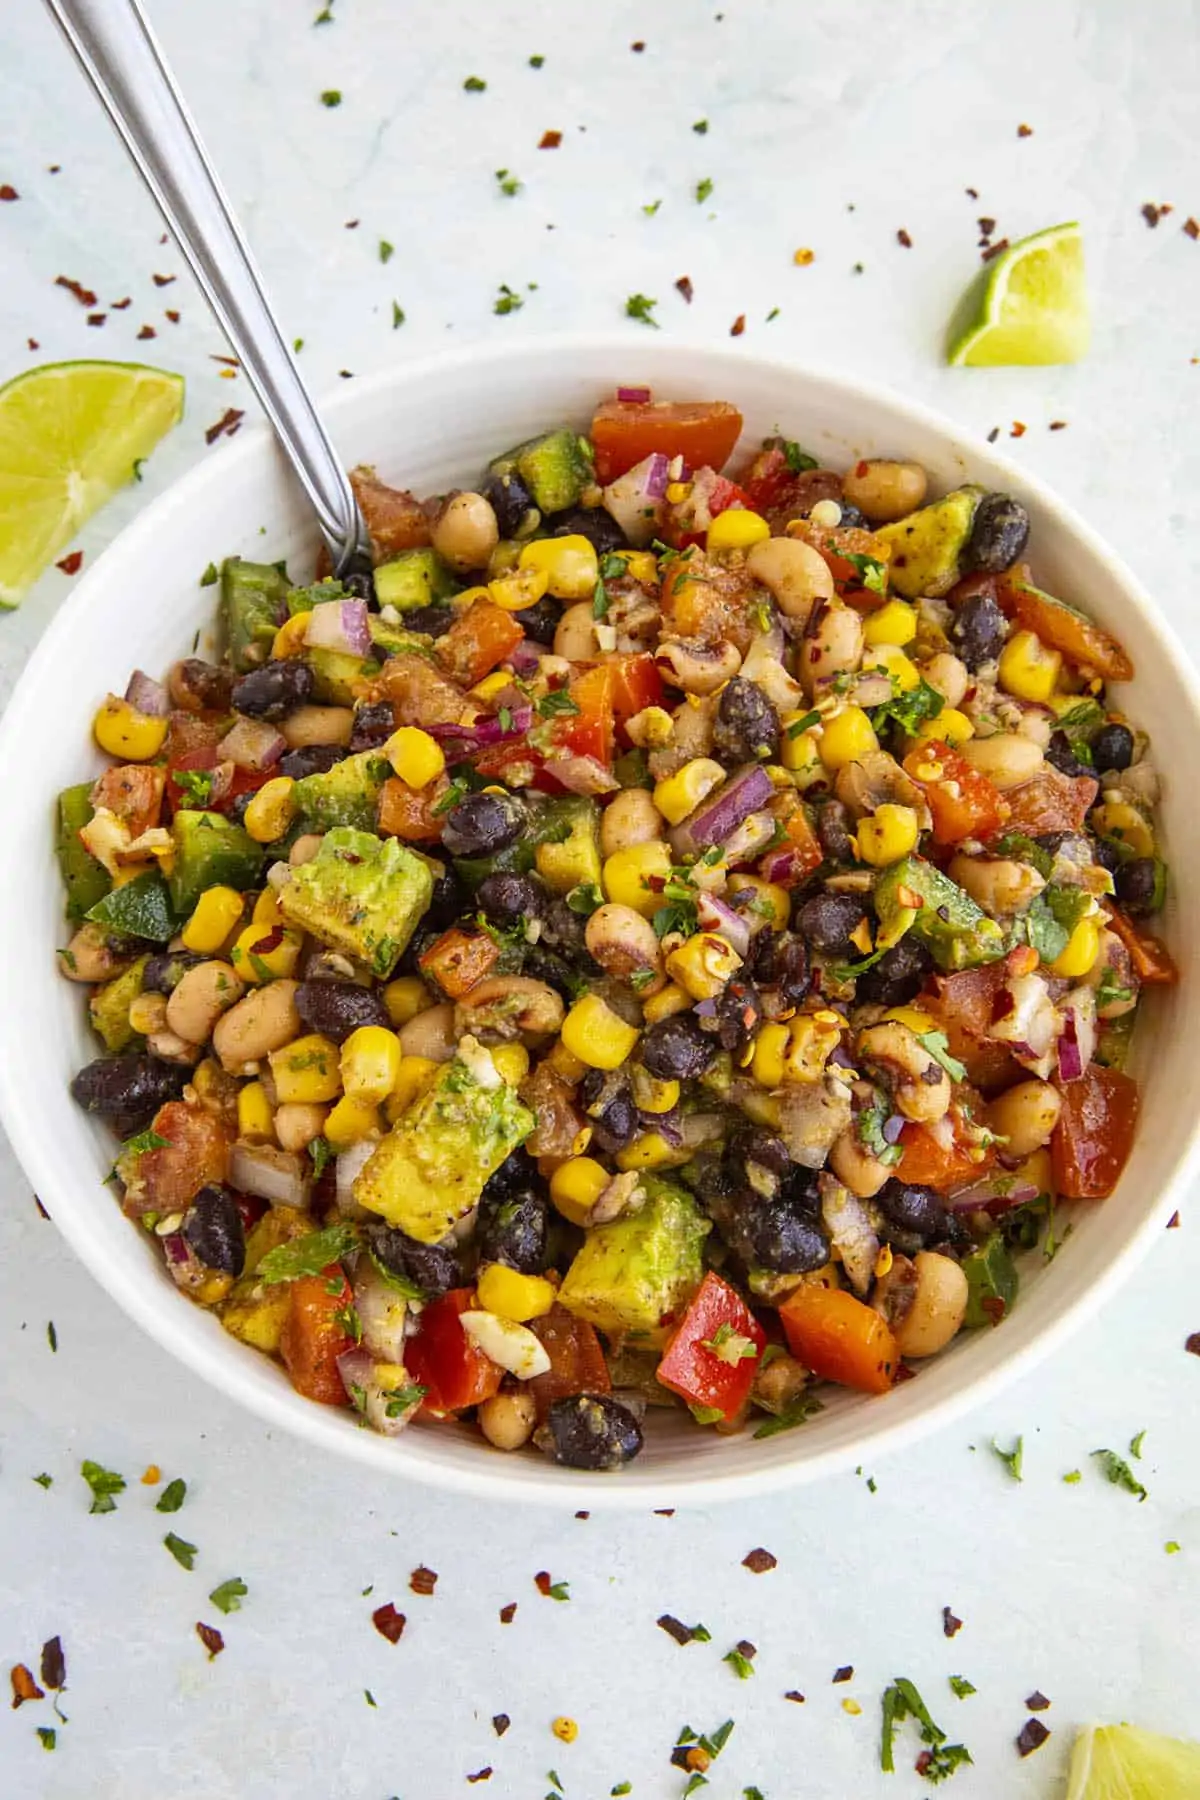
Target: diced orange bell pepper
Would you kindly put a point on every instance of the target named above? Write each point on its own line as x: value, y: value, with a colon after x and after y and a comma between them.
x: 703, y: 432
x: 395, y: 518
x: 963, y: 803
x: 458, y: 959
x: 840, y: 1338
x: 712, y: 1359
x: 589, y: 732
x: 794, y: 860
x: 1051, y: 802
x: 477, y: 642
x: 448, y: 1364
x: 1059, y: 626
x: 1152, y: 961
x: 928, y: 1162
x: 314, y: 1335
x: 636, y: 684
x: 411, y: 813
x: 1094, y: 1134
x: 577, y: 1364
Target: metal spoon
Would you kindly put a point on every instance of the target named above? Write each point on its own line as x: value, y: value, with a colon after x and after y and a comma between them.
x: 119, y: 54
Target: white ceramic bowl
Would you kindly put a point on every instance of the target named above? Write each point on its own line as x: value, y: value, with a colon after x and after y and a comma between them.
x: 429, y: 426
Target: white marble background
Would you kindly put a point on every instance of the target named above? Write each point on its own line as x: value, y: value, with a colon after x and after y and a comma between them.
x: 830, y: 126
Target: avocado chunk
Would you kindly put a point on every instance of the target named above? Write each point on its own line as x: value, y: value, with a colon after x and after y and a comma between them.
x: 567, y: 851
x: 347, y: 794
x: 555, y: 467
x: 431, y: 1168
x: 85, y: 880
x: 413, y: 578
x: 914, y: 896
x: 927, y: 547
x: 254, y: 1311
x: 108, y: 1008
x: 253, y: 607
x: 360, y: 894
x: 142, y: 908
x: 633, y: 1272
x: 210, y: 851
x: 336, y: 675
x: 393, y: 640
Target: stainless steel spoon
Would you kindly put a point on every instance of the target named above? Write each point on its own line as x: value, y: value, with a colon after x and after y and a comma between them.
x: 120, y: 56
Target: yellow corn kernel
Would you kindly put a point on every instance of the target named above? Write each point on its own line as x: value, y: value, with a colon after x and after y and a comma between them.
x: 306, y: 1071
x: 950, y: 727
x: 677, y: 492
x: 887, y: 834
x: 650, y: 1094
x: 414, y: 1076
x: 370, y: 1063
x: 267, y: 910
x: 811, y: 1040
x: 417, y: 758
x: 641, y: 566
x: 350, y: 1121
x: 217, y: 912
x: 266, y: 953
x: 1125, y: 825
x: 703, y: 964
x: 490, y: 687
x: 405, y: 998
x: 289, y: 639
x: 769, y: 902
x: 514, y: 1296
x: 652, y: 1151
x: 122, y: 731
x: 800, y: 752
x: 628, y: 873
x: 914, y: 1018
x: 736, y: 529
x: 663, y: 1005
x: 680, y: 794
x: 895, y: 623
x: 597, y: 1035
x: 576, y: 1185
x: 570, y: 565
x: 521, y: 588
x: 254, y: 1114
x: 271, y: 811
x: 512, y: 1060
x: 655, y: 727
x: 848, y: 736
x: 148, y: 1013
x: 565, y: 1064
x: 566, y: 1730
x: 1028, y: 669
x: 769, y: 1048
x: 904, y: 672
x: 1082, y: 949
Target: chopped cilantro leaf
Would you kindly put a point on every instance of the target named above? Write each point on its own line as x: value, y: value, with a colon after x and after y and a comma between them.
x: 798, y: 460
x: 640, y: 306
x: 197, y: 784
x: 1118, y: 1471
x: 612, y: 567
x: 506, y: 301
x: 799, y: 1413
x: 474, y: 85
x: 183, y: 1552
x: 401, y: 1399
x: 320, y: 1149
x: 798, y: 727
x: 871, y: 572
x: 700, y: 127
x: 869, y: 1125
x: 346, y: 1317
x: 600, y: 601
x: 902, y: 1701
x: 678, y: 913
x: 536, y: 62
x: 44, y: 1480
x: 386, y: 250
x: 703, y: 190
x: 730, y: 1345
x: 509, y: 184
x: 48, y: 1735
x: 400, y: 1283
x: 556, y: 703
x: 229, y: 1596
x: 172, y: 1496
x: 1015, y: 843
x: 331, y: 97
x: 398, y: 315
x: 938, y: 1046
x: 584, y: 898
x: 741, y: 1665
x: 104, y: 1483
x: 962, y: 1687
x: 1135, y: 1444
x: 1013, y: 1459
x: 650, y: 208
x: 307, y: 1255
x: 910, y: 709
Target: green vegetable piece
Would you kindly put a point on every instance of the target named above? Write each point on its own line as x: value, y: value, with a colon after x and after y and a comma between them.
x: 85, y: 880
x: 413, y: 578
x: 957, y: 933
x: 571, y: 859
x: 253, y: 607
x: 556, y: 468
x: 347, y: 794
x: 108, y: 1008
x: 992, y: 1282
x: 335, y: 675
x: 432, y: 1167
x: 210, y: 851
x: 361, y: 895
x: 634, y: 1271
x: 928, y: 544
x: 394, y: 640
x: 142, y: 908
x: 303, y: 599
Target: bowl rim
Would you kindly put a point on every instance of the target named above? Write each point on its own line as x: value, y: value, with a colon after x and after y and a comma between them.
x: 485, y: 1479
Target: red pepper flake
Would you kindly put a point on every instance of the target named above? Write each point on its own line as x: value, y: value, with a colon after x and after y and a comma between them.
x: 54, y: 168
x: 1152, y: 214
x: 1033, y: 1735
x: 796, y: 1695
x: 8, y: 193
x: 1057, y: 425
x: 24, y: 1687
x: 902, y: 237
x: 147, y: 331
x: 993, y: 434
x: 1192, y: 1345
x: 173, y: 316
x: 972, y: 193
x: 684, y: 284
x: 353, y: 224
x: 120, y: 305
x: 422, y: 1580
x: 1192, y: 227
x: 551, y: 1590
x: 508, y: 1613
x: 389, y: 1623
x: 211, y: 1638
x: 986, y: 227
x: 1037, y: 1701
x: 230, y: 362
x: 1018, y: 429
x: 845, y: 1673
x: 950, y: 1625
x: 225, y: 426
x: 163, y: 280
x: 96, y: 318
x: 583, y: 1515
x: 638, y: 46
x: 675, y: 1628
x: 1024, y: 130
x: 500, y: 1723
x: 550, y: 140
x: 664, y: 1512
x: 993, y: 250
x: 33, y: 343
x: 84, y: 295
x: 71, y: 565
x: 1173, y: 1222
x: 481, y: 1774
x: 759, y: 1561
x: 738, y: 326
x: 54, y: 1664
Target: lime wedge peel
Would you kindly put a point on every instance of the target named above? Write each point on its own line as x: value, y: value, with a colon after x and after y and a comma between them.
x: 1027, y: 306
x: 1121, y: 1762
x: 70, y: 436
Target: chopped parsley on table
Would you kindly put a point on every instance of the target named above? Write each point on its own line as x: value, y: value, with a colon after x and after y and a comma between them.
x: 938, y: 1762
x: 1013, y: 1459
x: 703, y: 190
x: 229, y: 1595
x: 104, y: 1483
x: 183, y: 1552
x: 1118, y: 1471
x: 507, y: 301
x: 640, y: 306
x: 172, y: 1496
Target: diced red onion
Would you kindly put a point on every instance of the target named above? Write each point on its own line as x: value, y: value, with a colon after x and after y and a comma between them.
x: 871, y: 690
x: 763, y: 664
x: 381, y: 1311
x: 635, y: 499
x: 669, y: 1126
x: 279, y: 1176
x: 992, y: 1193
x: 718, y: 816
x: 892, y: 1127
x: 713, y: 915
x: 175, y: 1247
x: 357, y: 1370
x: 251, y: 744
x: 148, y: 696
x: 1077, y: 1045
x: 462, y: 741
x: 633, y: 396
x: 582, y: 774
x: 1031, y: 1026
x: 785, y: 866
x: 527, y: 656
x: 339, y: 625
x: 656, y: 471
x: 1070, y: 1062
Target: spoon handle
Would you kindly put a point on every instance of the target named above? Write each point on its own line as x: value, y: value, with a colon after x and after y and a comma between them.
x: 117, y: 51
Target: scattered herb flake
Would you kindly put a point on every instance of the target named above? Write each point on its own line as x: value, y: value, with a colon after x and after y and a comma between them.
x: 386, y: 250
x: 640, y: 306
x: 536, y: 62
x: 1118, y: 1471
x: 1072, y: 1476
x: 104, y: 1483
x: 52, y: 1336
x: 398, y: 315
x: 172, y: 1496
x: 474, y: 85
x: 48, y: 1735
x: 962, y: 1687
x: 741, y: 1664
x: 509, y: 184
x: 183, y: 1552
x: 307, y: 1255
x: 651, y: 207
x: 798, y: 1414
x: 552, y: 1590
x: 902, y: 1701
x: 331, y: 97
x: 1172, y: 1548
x: 506, y: 301
x: 1013, y: 1459
x: 229, y: 1595
x: 43, y: 1480
x: 938, y: 1046
x: 1135, y: 1445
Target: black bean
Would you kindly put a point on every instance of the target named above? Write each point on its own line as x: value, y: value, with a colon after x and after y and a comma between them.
x: 517, y: 1174
x: 998, y: 535
x: 430, y: 621
x: 737, y: 1011
x: 779, y: 1234
x: 747, y: 725
x: 829, y: 921
x: 447, y: 903
x: 833, y: 832
x: 677, y: 1049
x: 359, y: 581
x: 592, y: 522
x: 511, y: 501
x: 505, y: 898
x: 481, y: 824
x: 852, y: 519
x: 978, y: 630
x: 127, y: 1086
x: 213, y: 1227
x: 780, y: 960
x: 1104, y: 852
x: 513, y: 1231
x: 541, y: 963
x: 1137, y: 884
x: 609, y: 1105
x: 163, y: 973
x: 566, y: 930
x: 1062, y: 757
x: 373, y: 725
x: 761, y: 1146
x: 435, y: 1268
x: 897, y: 977
x: 275, y: 690
x: 1112, y: 747
x: 592, y: 1431
x: 208, y: 684
x: 912, y: 1208
x: 336, y: 1008
x: 540, y: 621
x: 312, y: 759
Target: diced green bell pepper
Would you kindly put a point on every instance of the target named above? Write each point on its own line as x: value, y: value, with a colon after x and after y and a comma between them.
x: 347, y: 794
x: 957, y: 933
x: 85, y: 880
x: 141, y: 909
x: 108, y: 1008
x: 992, y: 1282
x: 253, y: 606
x: 210, y: 851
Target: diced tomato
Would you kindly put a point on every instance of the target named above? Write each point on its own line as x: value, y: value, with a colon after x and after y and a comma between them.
x: 837, y: 545
x: 233, y: 782
x: 927, y: 1161
x: 197, y: 1150
x: 1152, y: 961
x: 795, y: 859
x: 712, y: 1359
x: 1061, y: 628
x: 458, y: 959
x: 701, y: 431
x: 419, y: 695
x: 963, y: 1006
x: 636, y: 683
x: 411, y: 813
x: 780, y: 494
x: 724, y: 494
x: 512, y: 763
x: 447, y: 1363
x: 134, y: 792
x: 1092, y: 1139
x: 577, y: 1364
x: 962, y: 801
x: 314, y: 1336
x: 839, y: 1338
x: 589, y: 732
x: 1051, y: 802
x: 477, y: 642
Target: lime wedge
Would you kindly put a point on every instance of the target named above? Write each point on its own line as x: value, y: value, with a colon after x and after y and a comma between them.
x: 70, y: 435
x: 1028, y: 305
x: 1119, y: 1762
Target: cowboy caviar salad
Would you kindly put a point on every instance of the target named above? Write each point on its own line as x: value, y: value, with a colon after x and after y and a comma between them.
x: 660, y: 936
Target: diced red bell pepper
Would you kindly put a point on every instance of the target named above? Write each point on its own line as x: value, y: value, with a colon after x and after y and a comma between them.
x: 1061, y: 628
x: 795, y: 859
x: 477, y: 642
x: 577, y: 1364
x: 840, y: 1338
x: 589, y: 732
x: 712, y: 1359
x: 1051, y: 802
x: 314, y: 1336
x: 1152, y: 961
x: 235, y: 782
x: 962, y: 801
x: 395, y: 518
x: 1094, y: 1134
x: 447, y: 1363
x: 636, y: 684
x: 963, y: 1006
x: 624, y: 432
